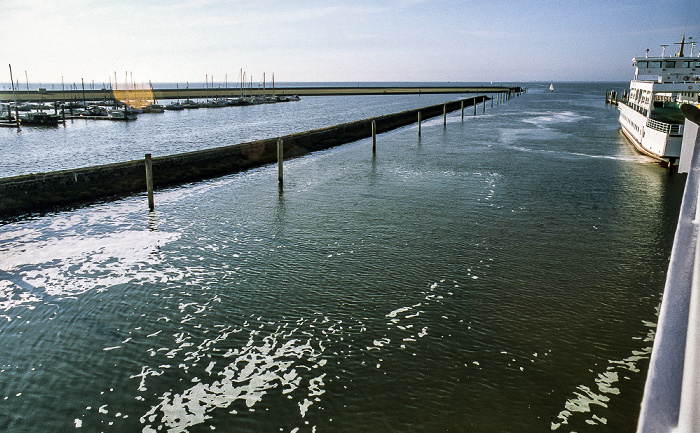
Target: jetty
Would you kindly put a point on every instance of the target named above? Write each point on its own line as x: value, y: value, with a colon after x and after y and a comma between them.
x: 40, y: 192
x: 104, y: 94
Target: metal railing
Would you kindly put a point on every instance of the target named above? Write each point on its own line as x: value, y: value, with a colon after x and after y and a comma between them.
x: 671, y: 402
x: 668, y: 128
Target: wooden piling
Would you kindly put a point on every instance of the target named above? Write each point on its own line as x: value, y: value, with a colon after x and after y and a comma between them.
x: 374, y: 136
x: 149, y: 182
x: 461, y: 107
x: 444, y: 115
x: 420, y: 119
x: 474, y: 103
x: 280, y: 160
x: 483, y: 108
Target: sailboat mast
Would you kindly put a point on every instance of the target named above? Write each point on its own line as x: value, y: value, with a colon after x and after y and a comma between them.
x: 14, y: 98
x: 27, y: 78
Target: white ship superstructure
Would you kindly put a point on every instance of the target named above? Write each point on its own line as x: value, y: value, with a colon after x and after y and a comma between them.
x: 650, y: 115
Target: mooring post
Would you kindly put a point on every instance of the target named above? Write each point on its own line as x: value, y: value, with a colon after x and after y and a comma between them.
x: 474, y: 104
x: 280, y: 159
x: 444, y: 115
x: 420, y: 118
x: 462, y: 108
x: 491, y: 100
x: 374, y: 136
x: 484, y: 106
x: 149, y: 181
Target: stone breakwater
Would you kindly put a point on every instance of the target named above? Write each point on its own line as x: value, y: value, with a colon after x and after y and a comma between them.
x: 39, y: 192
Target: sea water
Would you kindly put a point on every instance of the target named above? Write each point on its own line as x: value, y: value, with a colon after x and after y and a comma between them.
x: 502, y: 272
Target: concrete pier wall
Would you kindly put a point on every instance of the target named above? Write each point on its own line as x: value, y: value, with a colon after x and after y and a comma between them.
x: 51, y: 191
x: 103, y: 95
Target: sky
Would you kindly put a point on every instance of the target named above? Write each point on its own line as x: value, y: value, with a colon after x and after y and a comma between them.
x: 50, y: 41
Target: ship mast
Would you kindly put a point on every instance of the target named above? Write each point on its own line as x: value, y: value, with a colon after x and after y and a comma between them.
x: 682, y: 44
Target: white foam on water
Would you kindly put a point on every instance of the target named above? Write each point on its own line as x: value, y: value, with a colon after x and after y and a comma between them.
x: 274, y: 362
x: 587, y: 399
x: 72, y: 264
x: 545, y: 118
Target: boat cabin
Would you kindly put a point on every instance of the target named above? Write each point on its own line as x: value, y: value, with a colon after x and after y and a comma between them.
x: 667, y: 70
x: 674, y: 69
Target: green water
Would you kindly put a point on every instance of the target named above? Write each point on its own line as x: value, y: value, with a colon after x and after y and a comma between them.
x: 499, y: 274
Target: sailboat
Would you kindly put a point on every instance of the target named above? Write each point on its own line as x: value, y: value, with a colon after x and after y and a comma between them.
x: 551, y: 87
x: 175, y: 105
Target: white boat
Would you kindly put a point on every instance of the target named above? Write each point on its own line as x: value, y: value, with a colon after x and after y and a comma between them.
x: 122, y: 115
x: 650, y: 115
x: 551, y: 87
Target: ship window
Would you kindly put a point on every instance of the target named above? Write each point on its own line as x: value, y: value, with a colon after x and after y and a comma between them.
x: 642, y: 64
x: 669, y: 64
x: 654, y: 64
x: 688, y: 64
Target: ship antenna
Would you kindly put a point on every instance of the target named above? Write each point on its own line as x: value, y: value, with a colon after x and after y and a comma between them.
x: 663, y: 50
x: 682, y: 44
x: 692, y: 45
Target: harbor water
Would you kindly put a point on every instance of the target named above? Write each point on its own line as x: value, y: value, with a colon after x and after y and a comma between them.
x: 501, y: 273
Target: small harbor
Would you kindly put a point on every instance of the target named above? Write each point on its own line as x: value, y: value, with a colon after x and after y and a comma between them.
x: 46, y: 108
x: 532, y: 246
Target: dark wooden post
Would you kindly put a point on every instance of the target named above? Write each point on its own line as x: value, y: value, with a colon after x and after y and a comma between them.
x: 374, y: 136
x: 280, y: 160
x: 420, y: 119
x: 149, y: 181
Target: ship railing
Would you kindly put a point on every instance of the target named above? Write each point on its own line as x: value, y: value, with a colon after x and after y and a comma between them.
x: 671, y: 402
x: 667, y: 128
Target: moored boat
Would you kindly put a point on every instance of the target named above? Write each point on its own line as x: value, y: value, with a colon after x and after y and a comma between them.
x: 153, y: 108
x: 93, y: 111
x: 190, y: 104
x: 174, y: 106
x: 650, y: 116
x: 39, y: 118
x: 122, y: 115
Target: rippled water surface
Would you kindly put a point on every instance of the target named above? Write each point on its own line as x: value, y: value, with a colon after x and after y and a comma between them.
x: 501, y: 273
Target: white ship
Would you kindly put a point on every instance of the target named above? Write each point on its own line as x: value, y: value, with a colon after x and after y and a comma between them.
x: 650, y: 115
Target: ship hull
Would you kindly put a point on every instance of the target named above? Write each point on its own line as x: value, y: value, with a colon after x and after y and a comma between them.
x: 646, y: 140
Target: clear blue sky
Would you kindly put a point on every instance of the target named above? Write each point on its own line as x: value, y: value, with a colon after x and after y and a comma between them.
x: 344, y: 40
